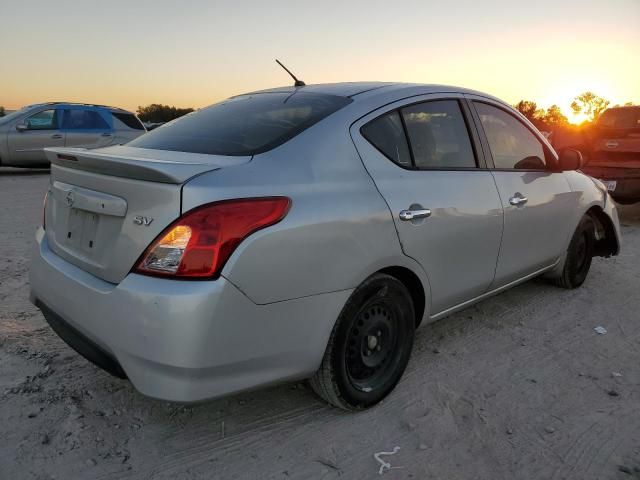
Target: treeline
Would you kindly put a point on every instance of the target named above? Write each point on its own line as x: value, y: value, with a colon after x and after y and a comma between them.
x: 157, y: 113
x: 589, y: 103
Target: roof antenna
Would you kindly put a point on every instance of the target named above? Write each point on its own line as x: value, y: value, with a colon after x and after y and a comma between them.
x: 297, y: 83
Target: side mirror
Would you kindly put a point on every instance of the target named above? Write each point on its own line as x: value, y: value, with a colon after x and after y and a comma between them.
x: 570, y: 159
x: 21, y: 127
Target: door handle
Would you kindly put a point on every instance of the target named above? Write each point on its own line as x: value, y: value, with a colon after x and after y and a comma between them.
x: 407, y: 215
x: 107, y: 135
x: 518, y: 200
x: 56, y: 136
x: 611, y: 144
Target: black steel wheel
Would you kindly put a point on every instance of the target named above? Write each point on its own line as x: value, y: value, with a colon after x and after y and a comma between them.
x: 579, y: 255
x: 370, y: 345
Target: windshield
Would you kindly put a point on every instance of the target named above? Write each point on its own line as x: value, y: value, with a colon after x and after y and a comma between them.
x: 244, y: 125
x: 13, y: 115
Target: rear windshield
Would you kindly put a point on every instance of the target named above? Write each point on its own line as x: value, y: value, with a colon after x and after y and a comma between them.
x: 620, y: 118
x: 244, y: 125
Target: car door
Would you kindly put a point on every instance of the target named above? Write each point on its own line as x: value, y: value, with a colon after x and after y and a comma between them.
x: 27, y: 139
x: 537, y: 201
x: 85, y: 127
x: 444, y: 204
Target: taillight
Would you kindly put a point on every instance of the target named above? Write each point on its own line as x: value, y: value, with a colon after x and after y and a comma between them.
x: 199, y: 243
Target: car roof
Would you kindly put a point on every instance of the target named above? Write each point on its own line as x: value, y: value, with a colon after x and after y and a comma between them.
x: 78, y: 104
x: 624, y: 107
x: 352, y: 89
x: 343, y: 89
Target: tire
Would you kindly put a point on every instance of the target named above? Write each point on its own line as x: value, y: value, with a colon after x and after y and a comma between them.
x: 369, y: 347
x: 579, y: 255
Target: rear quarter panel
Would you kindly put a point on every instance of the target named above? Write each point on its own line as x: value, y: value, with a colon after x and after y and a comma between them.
x: 339, y: 229
x: 124, y: 136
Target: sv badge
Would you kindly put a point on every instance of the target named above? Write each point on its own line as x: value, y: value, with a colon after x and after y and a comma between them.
x: 140, y: 220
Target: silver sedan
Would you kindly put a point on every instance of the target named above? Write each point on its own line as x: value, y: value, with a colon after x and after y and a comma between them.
x: 305, y: 232
x: 25, y: 133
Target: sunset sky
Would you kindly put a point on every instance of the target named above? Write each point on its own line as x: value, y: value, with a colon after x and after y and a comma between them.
x: 191, y: 53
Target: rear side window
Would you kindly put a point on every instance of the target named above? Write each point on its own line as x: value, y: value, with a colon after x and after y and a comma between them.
x: 513, y: 146
x: 438, y: 135
x: 244, y: 125
x: 386, y: 133
x: 83, y: 120
x: 129, y: 119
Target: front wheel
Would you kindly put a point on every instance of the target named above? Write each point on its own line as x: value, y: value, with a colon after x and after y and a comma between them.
x: 579, y: 255
x: 369, y: 347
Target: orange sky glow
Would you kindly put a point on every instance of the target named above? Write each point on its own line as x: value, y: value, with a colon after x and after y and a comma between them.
x: 197, y: 52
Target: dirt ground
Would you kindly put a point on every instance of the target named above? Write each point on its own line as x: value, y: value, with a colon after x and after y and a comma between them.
x: 519, y: 386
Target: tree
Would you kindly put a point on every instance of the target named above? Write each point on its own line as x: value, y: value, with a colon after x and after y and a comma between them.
x: 554, y: 117
x: 530, y: 110
x: 2, y: 111
x: 590, y: 104
x: 161, y: 113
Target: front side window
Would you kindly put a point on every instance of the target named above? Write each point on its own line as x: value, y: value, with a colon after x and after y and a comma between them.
x: 513, y: 146
x: 438, y: 135
x: 45, y: 120
x: 244, y: 125
x: 83, y: 120
x: 387, y: 135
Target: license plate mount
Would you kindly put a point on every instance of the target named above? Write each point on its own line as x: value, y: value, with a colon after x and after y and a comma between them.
x: 81, y: 229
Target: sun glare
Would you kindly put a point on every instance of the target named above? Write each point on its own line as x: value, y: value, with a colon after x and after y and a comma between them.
x: 566, y: 90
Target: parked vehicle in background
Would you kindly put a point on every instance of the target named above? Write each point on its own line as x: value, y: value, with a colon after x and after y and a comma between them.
x: 305, y: 232
x: 25, y: 133
x: 613, y: 152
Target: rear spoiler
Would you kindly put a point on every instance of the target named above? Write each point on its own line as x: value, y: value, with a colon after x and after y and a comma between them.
x: 139, y: 163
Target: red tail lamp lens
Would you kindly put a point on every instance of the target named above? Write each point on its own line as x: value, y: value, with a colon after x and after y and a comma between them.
x: 199, y: 243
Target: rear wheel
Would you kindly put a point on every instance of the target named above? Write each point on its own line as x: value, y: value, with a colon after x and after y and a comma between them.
x: 579, y: 255
x: 369, y: 347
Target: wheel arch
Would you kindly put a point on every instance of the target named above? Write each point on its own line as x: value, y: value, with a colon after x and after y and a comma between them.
x: 413, y: 284
x: 607, y: 243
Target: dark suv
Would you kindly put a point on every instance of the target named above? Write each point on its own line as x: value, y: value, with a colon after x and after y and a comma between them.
x: 613, y: 152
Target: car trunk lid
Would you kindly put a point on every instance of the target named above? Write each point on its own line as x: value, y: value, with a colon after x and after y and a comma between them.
x: 105, y: 207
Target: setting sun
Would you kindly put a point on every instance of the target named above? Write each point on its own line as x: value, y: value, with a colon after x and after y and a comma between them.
x: 564, y: 93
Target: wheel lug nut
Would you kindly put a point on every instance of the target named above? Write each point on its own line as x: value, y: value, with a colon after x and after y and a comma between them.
x: 379, y: 333
x: 378, y: 348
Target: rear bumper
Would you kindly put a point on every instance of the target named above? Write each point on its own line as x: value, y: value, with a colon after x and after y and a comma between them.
x: 80, y: 343
x: 181, y: 340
